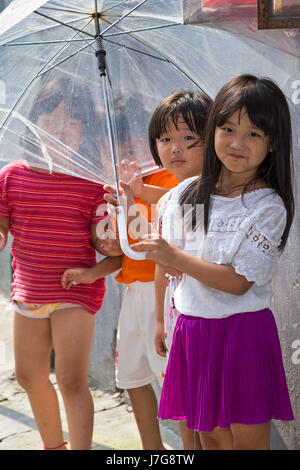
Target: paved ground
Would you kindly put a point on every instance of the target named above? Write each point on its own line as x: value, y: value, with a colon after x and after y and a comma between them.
x: 114, y: 428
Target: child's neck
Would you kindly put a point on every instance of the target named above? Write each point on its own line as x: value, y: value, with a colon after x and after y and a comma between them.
x: 181, y: 178
x: 231, y: 185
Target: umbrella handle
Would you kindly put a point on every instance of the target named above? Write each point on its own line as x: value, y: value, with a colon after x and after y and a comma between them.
x: 122, y: 226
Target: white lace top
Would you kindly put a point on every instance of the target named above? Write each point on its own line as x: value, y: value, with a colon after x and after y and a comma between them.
x: 244, y: 233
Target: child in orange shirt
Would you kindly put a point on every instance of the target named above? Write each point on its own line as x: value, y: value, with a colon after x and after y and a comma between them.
x: 137, y: 364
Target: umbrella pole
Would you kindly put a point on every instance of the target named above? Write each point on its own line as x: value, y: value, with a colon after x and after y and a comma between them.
x: 121, y: 219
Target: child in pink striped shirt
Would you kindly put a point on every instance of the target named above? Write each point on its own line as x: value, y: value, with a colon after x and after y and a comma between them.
x: 52, y: 218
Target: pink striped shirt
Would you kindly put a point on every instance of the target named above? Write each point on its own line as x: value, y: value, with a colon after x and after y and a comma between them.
x: 50, y: 217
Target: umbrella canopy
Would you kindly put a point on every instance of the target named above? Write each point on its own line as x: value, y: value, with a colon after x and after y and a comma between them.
x: 149, y: 54
x: 241, y: 17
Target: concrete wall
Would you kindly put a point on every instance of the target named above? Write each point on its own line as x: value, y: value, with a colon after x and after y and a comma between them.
x: 286, y: 308
x: 103, y: 350
x: 5, y: 268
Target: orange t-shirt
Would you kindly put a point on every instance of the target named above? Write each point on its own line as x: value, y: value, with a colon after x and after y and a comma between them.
x: 143, y: 271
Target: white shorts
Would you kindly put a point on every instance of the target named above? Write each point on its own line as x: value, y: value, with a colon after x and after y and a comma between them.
x: 137, y: 362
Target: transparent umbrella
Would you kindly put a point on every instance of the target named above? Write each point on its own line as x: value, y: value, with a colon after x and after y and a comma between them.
x: 80, y: 79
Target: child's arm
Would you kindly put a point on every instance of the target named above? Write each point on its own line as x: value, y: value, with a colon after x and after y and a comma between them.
x: 151, y: 194
x: 218, y: 276
x: 72, y: 277
x: 160, y: 290
x: 107, y: 246
x: 4, y: 229
x: 131, y: 175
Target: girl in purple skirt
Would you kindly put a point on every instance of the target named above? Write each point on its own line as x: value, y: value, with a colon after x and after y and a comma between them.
x: 225, y: 374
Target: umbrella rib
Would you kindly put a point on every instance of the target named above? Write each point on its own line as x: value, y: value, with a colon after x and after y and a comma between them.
x: 66, y: 58
x: 116, y: 5
x: 49, y: 7
x: 29, y: 84
x: 143, y: 29
x: 64, y: 24
x: 136, y: 50
x: 45, y: 29
x: 124, y: 16
x: 58, y: 41
x: 166, y: 59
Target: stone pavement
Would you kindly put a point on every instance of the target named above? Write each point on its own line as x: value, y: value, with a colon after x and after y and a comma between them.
x: 114, y: 426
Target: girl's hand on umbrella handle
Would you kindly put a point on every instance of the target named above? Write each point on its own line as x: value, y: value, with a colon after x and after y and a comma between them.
x: 113, y: 203
x: 126, y: 192
x: 112, y: 212
x: 111, y: 196
x: 159, y: 251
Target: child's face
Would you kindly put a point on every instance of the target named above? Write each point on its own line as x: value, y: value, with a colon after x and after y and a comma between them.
x: 240, y: 146
x: 60, y: 125
x: 174, y: 152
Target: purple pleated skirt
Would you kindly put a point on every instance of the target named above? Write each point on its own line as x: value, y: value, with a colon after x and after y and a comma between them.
x: 226, y: 370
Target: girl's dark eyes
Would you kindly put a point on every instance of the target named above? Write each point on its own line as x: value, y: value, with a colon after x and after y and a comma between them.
x: 229, y: 130
x: 226, y: 129
x: 187, y: 137
x: 254, y: 134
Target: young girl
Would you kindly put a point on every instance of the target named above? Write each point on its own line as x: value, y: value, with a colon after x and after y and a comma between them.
x: 176, y: 132
x: 52, y: 218
x: 176, y: 136
x: 225, y: 363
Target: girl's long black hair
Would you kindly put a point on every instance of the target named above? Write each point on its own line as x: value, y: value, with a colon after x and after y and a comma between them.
x: 268, y: 110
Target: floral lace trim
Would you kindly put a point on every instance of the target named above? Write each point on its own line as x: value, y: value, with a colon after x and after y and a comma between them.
x: 230, y: 224
x: 259, y: 241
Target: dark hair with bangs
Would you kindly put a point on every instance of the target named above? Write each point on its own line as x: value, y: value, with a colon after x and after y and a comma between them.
x: 194, y: 108
x: 268, y: 110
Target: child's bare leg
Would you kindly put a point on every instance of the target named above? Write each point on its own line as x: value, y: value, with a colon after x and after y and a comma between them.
x: 72, y: 332
x: 144, y: 405
x: 190, y: 438
x: 218, y: 439
x: 32, y: 344
x: 251, y: 437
